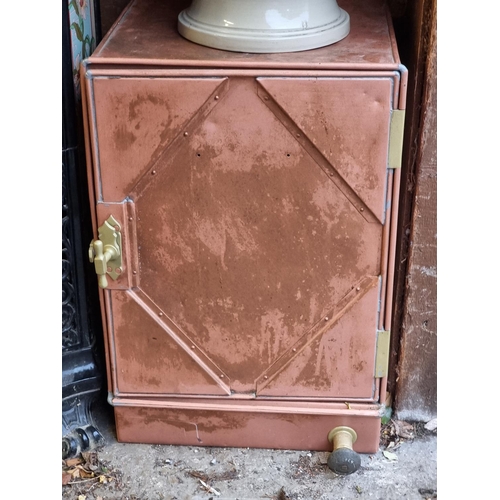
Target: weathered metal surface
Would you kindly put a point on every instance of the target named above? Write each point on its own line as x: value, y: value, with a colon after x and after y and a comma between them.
x: 257, y: 239
x: 291, y: 427
x: 147, y: 32
x: 346, y: 121
x: 136, y: 119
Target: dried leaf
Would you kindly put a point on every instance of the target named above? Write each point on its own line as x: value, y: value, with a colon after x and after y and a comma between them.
x: 82, y: 497
x: 404, y: 429
x: 86, y: 475
x: 90, y: 457
x: 390, y: 456
x: 102, y: 479
x: 75, y: 473
x: 66, y: 478
x: 71, y: 462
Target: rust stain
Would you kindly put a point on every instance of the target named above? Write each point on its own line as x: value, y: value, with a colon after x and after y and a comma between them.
x: 275, y: 335
x: 123, y: 137
x: 338, y: 362
x: 347, y: 121
x: 138, y: 101
x: 137, y: 119
x: 200, y: 422
x: 148, y: 360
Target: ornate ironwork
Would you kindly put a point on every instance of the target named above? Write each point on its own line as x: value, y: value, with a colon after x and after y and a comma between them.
x: 70, y: 337
x: 81, y: 349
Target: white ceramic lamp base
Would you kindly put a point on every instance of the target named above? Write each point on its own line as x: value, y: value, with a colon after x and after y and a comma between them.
x: 264, y: 26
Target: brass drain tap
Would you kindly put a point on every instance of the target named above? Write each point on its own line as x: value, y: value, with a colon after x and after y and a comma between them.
x: 343, y: 460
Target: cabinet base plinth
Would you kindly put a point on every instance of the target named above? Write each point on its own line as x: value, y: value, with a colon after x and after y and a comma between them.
x: 246, y: 426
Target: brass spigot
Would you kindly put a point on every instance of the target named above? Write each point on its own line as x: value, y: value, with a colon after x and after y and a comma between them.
x: 105, y: 252
x: 343, y: 460
x: 100, y: 255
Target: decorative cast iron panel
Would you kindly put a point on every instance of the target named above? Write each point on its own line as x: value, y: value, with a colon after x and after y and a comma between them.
x: 70, y: 335
x: 81, y: 377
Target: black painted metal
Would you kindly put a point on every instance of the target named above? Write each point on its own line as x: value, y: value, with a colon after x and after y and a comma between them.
x: 82, y: 353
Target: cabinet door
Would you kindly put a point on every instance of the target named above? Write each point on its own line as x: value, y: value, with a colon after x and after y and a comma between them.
x: 252, y: 215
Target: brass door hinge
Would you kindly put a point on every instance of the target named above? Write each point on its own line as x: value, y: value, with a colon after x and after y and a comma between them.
x: 382, y: 355
x: 396, y: 138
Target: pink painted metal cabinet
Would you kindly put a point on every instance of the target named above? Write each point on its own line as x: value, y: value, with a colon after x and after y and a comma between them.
x: 256, y: 208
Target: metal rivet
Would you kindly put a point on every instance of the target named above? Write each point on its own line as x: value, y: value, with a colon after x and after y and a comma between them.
x: 265, y: 376
x: 326, y: 319
x: 216, y: 97
x: 134, y: 272
x: 153, y: 172
x: 185, y: 134
x: 192, y: 347
x: 130, y: 218
x: 358, y: 289
x: 222, y: 376
x: 294, y: 350
x: 109, y: 269
x: 361, y: 209
x: 160, y: 314
x: 118, y: 270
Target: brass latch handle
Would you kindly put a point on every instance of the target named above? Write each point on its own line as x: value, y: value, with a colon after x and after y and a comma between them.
x: 105, y: 252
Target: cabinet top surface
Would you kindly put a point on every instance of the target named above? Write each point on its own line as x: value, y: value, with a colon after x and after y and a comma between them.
x: 146, y: 34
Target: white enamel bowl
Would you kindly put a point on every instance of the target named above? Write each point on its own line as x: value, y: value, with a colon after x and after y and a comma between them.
x: 264, y: 26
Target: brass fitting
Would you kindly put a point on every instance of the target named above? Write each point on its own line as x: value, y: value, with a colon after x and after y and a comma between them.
x: 105, y: 252
x: 343, y: 460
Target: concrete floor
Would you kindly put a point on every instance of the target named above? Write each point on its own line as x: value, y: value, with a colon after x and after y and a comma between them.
x: 160, y: 472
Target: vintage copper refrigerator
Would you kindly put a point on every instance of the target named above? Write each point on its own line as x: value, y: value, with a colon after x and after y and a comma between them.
x: 244, y: 211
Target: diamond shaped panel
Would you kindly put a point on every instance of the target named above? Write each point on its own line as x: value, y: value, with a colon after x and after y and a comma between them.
x: 244, y: 241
